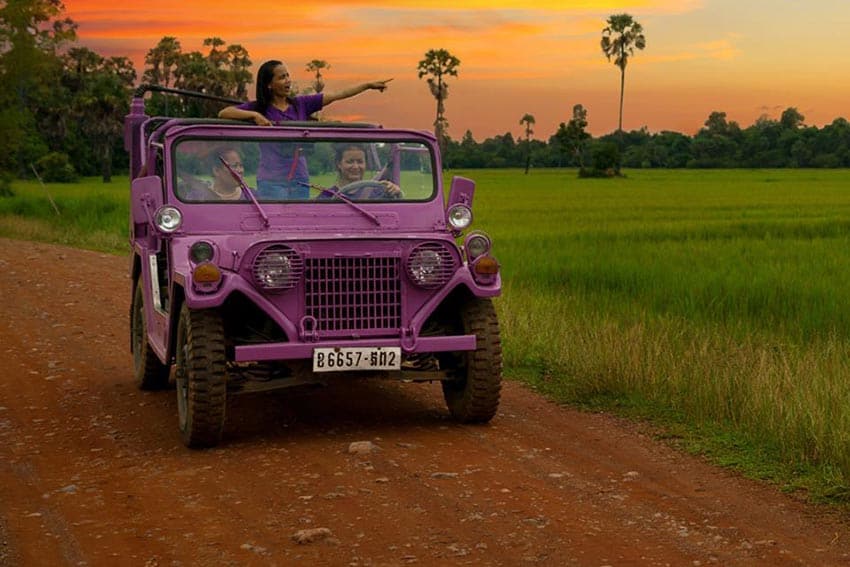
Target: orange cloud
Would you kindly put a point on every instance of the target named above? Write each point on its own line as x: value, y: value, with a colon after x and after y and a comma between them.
x: 719, y: 50
x: 540, y: 5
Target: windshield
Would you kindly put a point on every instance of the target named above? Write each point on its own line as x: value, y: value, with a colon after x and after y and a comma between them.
x: 326, y: 171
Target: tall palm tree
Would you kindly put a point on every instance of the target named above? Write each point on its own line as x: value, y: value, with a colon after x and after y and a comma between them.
x: 437, y: 64
x: 162, y: 61
x: 316, y: 66
x: 528, y: 120
x: 620, y: 38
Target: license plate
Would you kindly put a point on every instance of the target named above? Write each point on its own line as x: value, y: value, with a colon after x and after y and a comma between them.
x: 356, y: 358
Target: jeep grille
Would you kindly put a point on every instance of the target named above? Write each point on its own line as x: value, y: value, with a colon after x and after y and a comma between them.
x: 346, y: 295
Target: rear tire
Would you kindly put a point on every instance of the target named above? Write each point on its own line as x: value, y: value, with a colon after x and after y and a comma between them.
x: 201, y: 377
x: 473, y: 397
x: 149, y: 372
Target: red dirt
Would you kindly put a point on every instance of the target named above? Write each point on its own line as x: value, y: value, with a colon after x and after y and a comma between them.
x: 92, y: 471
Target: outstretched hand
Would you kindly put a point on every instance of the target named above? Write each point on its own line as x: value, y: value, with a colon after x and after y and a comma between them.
x: 379, y: 85
x: 354, y: 91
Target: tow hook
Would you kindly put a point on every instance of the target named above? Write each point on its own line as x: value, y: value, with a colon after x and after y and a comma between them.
x: 308, y: 329
x: 408, y: 339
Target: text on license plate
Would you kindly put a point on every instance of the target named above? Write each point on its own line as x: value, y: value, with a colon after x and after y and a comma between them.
x: 356, y: 358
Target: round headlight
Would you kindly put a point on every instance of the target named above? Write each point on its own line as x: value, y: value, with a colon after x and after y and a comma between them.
x: 168, y: 219
x: 277, y: 268
x: 430, y: 265
x: 476, y: 244
x: 201, y: 251
x: 273, y: 270
x: 460, y: 217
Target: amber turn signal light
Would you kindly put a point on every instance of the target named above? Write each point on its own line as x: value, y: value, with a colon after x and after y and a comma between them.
x: 206, y: 273
x: 486, y: 265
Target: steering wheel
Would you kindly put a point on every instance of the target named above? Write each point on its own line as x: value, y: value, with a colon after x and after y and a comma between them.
x: 367, y: 189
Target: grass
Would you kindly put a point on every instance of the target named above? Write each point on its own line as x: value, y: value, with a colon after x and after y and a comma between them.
x: 710, y: 299
x: 91, y: 214
x: 710, y: 302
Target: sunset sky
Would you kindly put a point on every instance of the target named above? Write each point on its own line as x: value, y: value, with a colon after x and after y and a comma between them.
x: 744, y: 57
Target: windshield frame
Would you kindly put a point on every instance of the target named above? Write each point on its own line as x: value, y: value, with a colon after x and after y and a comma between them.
x: 229, y: 136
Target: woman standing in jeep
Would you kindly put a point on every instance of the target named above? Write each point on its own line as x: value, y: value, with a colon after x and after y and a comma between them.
x: 282, y: 174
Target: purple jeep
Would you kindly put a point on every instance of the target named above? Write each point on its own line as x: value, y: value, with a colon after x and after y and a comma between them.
x: 259, y: 261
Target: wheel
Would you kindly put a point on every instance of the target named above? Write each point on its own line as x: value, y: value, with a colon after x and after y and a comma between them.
x: 149, y: 372
x: 473, y: 396
x: 369, y: 189
x: 201, y: 377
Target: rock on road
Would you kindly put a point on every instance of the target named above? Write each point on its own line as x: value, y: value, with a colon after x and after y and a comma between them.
x: 92, y: 471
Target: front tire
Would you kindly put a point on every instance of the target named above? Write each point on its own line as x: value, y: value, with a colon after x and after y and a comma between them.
x: 473, y: 397
x: 149, y: 372
x: 201, y: 377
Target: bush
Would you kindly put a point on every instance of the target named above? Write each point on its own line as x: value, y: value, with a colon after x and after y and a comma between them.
x: 593, y: 172
x: 604, y: 158
x: 56, y: 167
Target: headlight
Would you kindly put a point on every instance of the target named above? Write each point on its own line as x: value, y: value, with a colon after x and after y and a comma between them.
x: 201, y: 251
x: 277, y: 268
x: 430, y: 265
x: 168, y: 219
x: 476, y: 244
x: 460, y: 217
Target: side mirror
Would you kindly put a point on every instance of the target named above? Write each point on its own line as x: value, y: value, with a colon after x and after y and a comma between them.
x: 461, y: 192
x: 145, y: 198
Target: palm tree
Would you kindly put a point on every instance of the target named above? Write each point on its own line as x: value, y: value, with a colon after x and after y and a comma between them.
x: 316, y: 66
x: 239, y: 74
x: 437, y: 64
x: 528, y: 120
x: 162, y: 61
x: 619, y: 40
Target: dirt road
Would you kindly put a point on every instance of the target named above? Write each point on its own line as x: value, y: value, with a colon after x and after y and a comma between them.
x: 92, y: 471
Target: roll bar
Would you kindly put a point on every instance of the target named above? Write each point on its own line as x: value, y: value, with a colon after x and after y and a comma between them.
x: 144, y: 88
x: 133, y: 138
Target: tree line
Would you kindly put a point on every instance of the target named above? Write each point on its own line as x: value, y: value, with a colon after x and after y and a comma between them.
x: 720, y: 143
x: 62, y: 108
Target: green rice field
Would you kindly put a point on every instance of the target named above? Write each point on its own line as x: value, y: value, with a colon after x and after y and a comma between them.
x: 712, y: 302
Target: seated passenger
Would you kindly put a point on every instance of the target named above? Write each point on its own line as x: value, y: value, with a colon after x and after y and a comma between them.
x: 224, y: 186
x: 350, y: 163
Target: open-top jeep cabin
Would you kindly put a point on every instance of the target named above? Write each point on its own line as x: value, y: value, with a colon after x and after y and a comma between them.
x: 260, y: 260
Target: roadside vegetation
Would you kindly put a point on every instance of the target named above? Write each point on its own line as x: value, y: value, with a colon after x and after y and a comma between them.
x: 88, y: 213
x: 713, y: 303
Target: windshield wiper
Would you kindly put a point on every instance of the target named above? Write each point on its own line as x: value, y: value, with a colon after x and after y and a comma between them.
x: 247, y: 190
x: 338, y: 194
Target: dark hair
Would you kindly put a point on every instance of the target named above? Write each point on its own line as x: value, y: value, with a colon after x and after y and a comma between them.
x: 216, y: 155
x: 340, y: 149
x: 265, y: 74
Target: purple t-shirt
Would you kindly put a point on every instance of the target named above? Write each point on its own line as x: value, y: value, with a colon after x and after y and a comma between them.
x: 276, y: 160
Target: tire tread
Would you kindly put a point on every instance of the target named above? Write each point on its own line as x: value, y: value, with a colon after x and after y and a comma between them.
x: 206, y: 373
x: 476, y: 398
